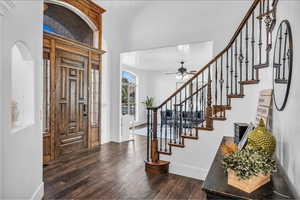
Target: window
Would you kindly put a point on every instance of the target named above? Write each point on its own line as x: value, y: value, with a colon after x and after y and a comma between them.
x: 95, y: 95
x: 46, y: 93
x: 129, y: 86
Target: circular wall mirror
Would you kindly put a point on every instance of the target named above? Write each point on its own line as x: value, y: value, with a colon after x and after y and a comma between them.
x: 282, y: 65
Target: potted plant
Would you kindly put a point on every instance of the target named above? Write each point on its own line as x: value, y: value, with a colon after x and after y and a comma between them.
x: 149, y: 102
x: 249, y: 169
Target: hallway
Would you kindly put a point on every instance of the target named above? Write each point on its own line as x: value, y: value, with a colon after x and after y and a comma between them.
x: 116, y: 171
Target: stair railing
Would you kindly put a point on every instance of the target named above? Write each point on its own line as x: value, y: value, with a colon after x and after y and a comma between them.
x: 207, y: 95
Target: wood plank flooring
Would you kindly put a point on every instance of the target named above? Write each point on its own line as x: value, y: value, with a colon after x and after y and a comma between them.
x: 116, y: 171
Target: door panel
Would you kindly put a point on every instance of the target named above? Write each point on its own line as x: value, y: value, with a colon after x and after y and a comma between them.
x: 72, y: 101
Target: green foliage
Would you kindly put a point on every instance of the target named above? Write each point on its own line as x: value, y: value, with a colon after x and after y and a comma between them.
x: 250, y: 162
x: 149, y: 102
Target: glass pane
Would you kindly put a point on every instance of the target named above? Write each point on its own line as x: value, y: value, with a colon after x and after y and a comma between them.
x: 128, y: 77
x: 95, y: 97
x: 125, y: 93
x: 128, y: 94
x: 46, y: 96
x: 125, y: 109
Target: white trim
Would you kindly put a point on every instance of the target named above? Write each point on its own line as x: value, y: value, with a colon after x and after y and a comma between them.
x: 6, y: 6
x: 188, y: 171
x: 39, y: 192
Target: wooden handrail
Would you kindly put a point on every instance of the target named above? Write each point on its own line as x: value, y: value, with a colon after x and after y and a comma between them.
x: 234, y: 37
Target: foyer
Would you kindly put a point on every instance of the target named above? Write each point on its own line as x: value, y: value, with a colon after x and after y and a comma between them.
x: 116, y: 171
x: 130, y: 99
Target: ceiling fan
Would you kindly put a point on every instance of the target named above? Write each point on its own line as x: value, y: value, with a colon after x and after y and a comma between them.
x: 182, y: 72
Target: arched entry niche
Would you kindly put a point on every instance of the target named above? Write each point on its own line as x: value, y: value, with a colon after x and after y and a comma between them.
x: 22, y: 87
x: 72, y: 62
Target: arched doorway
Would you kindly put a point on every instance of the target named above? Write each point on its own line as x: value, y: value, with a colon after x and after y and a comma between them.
x: 72, y: 77
x: 129, y: 94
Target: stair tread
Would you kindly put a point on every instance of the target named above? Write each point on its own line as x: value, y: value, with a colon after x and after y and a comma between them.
x: 177, y: 145
x: 219, y: 118
x: 249, y: 82
x: 190, y: 137
x: 205, y: 128
x: 225, y: 107
x: 165, y: 152
x: 235, y: 95
x: 260, y: 66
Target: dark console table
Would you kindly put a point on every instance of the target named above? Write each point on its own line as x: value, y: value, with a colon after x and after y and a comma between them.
x: 216, y: 187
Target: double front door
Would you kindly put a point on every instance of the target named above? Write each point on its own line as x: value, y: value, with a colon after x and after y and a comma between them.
x: 71, y: 103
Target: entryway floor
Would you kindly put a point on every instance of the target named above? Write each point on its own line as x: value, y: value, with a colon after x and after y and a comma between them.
x: 116, y: 171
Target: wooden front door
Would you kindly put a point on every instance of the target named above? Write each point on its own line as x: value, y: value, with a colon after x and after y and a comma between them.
x: 72, y: 103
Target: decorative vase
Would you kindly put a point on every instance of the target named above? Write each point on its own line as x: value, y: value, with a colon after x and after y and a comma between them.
x: 14, y: 113
x: 261, y: 138
x: 248, y: 185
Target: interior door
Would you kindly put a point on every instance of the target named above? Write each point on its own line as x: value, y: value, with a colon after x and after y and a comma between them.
x: 72, y: 102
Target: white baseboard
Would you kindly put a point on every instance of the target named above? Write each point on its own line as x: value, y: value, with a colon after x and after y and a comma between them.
x: 39, y: 193
x: 188, y: 171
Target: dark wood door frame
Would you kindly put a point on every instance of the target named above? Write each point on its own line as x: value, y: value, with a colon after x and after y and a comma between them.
x: 53, y: 44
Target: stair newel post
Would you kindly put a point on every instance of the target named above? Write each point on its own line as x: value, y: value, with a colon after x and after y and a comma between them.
x: 154, y: 142
x: 208, y: 117
x: 148, y: 133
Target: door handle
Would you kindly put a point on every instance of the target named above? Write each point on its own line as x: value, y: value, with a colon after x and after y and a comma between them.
x: 85, y: 113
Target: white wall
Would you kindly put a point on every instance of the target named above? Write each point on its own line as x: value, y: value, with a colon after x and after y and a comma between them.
x: 170, y: 23
x: 196, y: 158
x: 106, y: 103
x: 286, y: 124
x: 165, y: 23
x: 22, y: 150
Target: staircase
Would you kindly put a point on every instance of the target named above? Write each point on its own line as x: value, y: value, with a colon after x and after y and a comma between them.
x: 207, y: 96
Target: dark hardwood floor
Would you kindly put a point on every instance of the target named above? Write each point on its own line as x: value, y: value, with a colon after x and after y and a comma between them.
x: 116, y: 171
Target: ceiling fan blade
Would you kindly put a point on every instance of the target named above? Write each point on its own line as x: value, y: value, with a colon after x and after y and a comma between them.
x: 171, y: 73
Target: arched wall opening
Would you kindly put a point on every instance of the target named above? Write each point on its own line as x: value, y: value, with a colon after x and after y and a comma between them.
x: 22, y: 87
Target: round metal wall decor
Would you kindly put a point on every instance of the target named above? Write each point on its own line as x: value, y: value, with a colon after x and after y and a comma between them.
x: 282, y: 65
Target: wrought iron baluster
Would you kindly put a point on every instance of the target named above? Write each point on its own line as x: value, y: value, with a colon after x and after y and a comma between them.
x: 247, y: 50
x: 253, y: 44
x: 180, y: 116
x: 161, y: 126
x: 176, y: 121
x: 236, y: 67
x: 231, y: 71
x: 173, y: 122
x: 260, y: 34
x: 241, y: 59
x: 202, y: 102
x: 216, y: 84
x: 148, y: 133
x: 227, y: 77
x: 221, y: 86
x: 185, y: 112
x: 197, y: 104
x: 166, y: 125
